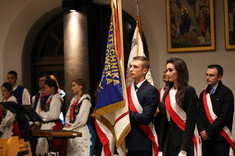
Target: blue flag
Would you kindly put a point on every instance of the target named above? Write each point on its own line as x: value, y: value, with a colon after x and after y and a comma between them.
x: 111, y: 91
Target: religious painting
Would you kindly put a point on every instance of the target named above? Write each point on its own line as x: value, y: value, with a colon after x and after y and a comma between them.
x: 190, y: 25
x: 229, y: 20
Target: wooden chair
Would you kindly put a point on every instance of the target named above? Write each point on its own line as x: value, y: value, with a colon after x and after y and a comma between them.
x: 3, y: 147
x: 13, y: 147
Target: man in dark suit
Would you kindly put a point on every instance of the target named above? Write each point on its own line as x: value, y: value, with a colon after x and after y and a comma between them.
x: 137, y: 141
x: 215, y: 114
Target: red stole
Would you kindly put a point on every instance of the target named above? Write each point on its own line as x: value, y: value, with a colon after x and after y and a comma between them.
x: 225, y: 132
x: 135, y: 106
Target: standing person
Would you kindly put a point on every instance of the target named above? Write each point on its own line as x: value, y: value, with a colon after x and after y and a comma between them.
x: 21, y: 93
x: 41, y: 96
x: 23, y: 98
x: 39, y: 99
x: 62, y: 94
x: 145, y: 97
x: 98, y: 145
x: 76, y: 120
x: 215, y: 114
x: 7, y: 126
x: 158, y: 119
x: 180, y: 101
x: 50, y: 112
x: 165, y: 79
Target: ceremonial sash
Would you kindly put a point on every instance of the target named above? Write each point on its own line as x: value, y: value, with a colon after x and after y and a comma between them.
x: 161, y: 93
x: 135, y: 106
x: 179, y: 117
x: 225, y: 132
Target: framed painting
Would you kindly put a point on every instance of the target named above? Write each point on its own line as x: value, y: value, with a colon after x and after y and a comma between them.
x: 190, y: 25
x: 229, y: 23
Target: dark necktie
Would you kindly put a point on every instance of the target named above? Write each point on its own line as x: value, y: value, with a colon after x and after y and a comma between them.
x: 136, y: 87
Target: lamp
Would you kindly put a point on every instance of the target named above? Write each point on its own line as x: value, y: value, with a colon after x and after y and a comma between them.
x: 74, y: 5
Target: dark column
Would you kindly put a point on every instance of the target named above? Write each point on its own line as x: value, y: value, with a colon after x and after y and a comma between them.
x: 76, y: 61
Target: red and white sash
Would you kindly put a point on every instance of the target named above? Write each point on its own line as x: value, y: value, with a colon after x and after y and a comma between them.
x: 135, y: 106
x: 225, y: 132
x: 179, y: 117
x: 161, y: 93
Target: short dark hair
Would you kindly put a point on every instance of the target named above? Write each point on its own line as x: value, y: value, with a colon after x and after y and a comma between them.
x: 7, y: 86
x: 43, y: 75
x: 146, y: 63
x: 218, y: 67
x: 12, y: 72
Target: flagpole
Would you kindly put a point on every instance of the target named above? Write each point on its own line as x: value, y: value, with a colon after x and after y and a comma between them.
x: 139, y: 19
x: 119, y: 4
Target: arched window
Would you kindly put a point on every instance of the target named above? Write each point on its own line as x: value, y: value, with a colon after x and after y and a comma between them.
x: 48, y: 52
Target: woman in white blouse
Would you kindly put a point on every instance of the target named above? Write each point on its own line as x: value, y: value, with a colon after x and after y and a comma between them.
x: 6, y: 117
x: 76, y: 120
x: 50, y: 113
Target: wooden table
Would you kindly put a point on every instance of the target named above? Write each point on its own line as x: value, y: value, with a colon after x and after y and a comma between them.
x: 55, y: 134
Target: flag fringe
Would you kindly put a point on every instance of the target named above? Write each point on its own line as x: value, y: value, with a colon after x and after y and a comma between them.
x: 123, y: 135
x: 110, y: 108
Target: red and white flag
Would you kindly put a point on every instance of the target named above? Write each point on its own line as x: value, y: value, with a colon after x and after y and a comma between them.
x: 136, y: 50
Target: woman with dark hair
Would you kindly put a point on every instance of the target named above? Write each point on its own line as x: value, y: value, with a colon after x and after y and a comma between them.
x: 76, y: 120
x: 7, y: 126
x: 50, y: 112
x: 180, y: 101
x: 62, y: 94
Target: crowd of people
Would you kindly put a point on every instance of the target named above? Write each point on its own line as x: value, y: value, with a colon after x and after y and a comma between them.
x: 49, y: 104
x: 184, y: 124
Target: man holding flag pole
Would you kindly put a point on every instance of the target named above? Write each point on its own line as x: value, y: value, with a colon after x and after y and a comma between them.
x: 143, y: 99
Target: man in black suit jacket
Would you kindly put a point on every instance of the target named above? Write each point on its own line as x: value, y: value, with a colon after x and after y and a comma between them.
x: 213, y: 143
x: 137, y: 141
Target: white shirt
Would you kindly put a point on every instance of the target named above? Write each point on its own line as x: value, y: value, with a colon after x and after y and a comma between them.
x: 139, y: 84
x: 54, y: 112
x: 8, y: 119
x: 215, y: 87
x: 25, y: 96
x: 83, y: 114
